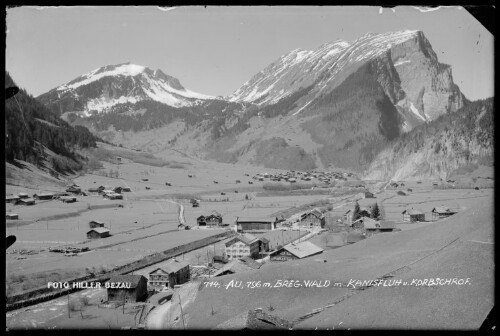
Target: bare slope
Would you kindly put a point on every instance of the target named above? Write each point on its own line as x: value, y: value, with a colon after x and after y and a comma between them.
x: 458, y: 247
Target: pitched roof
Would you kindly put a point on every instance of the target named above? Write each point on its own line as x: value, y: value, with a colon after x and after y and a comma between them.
x: 99, y: 230
x: 30, y: 199
x: 304, y: 249
x: 413, y: 212
x: 234, y: 266
x: 250, y: 262
x: 175, y: 266
x: 442, y: 209
x: 132, y: 279
x: 369, y: 223
x: 255, y: 220
x: 96, y: 221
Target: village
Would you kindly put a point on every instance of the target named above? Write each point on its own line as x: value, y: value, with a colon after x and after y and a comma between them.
x: 229, y: 229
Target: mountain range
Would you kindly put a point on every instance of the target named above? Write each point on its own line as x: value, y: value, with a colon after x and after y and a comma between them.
x: 341, y: 105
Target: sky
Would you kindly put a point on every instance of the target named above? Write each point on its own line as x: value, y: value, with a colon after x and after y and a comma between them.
x: 214, y: 50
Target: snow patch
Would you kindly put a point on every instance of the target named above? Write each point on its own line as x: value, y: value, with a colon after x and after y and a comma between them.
x: 415, y: 111
x: 402, y: 62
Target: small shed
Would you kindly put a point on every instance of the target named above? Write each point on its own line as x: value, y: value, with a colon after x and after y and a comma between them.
x: 369, y: 195
x: 413, y: 215
x: 136, y: 288
x: 12, y: 216
x: 401, y: 193
x: 96, y: 224
x: 126, y: 189
x: 98, y: 232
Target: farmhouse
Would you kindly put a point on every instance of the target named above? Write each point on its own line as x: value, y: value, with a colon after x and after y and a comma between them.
x: 98, y: 232
x: 295, y: 251
x: 213, y: 219
x: 364, y: 222
x: 96, y: 224
x: 43, y: 196
x: 369, y: 195
x: 201, y: 221
x: 178, y: 273
x: 94, y: 190
x: 11, y: 199
x: 347, y: 217
x: 255, y: 224
x: 245, y: 245
x: 313, y: 218
x: 413, y: 215
x: 126, y: 189
x: 136, y: 290
x: 26, y: 201
x: 22, y: 195
x: 12, y: 216
x: 401, y: 193
x: 441, y: 212
x: 112, y: 195
x: 118, y: 190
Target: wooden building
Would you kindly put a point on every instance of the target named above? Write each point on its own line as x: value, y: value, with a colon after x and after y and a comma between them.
x: 126, y: 189
x: 347, y: 217
x: 373, y: 227
x: 136, y: 290
x: 255, y: 224
x: 96, y: 224
x: 313, y: 218
x: 441, y: 212
x: 68, y: 199
x: 214, y: 219
x: 98, y: 232
x: 22, y: 195
x: 26, y: 201
x: 201, y: 220
x: 413, y: 215
x: 12, y: 216
x: 295, y: 251
x: 242, y: 246
x: 178, y: 273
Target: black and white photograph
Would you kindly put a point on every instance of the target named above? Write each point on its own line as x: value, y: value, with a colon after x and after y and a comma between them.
x: 249, y: 167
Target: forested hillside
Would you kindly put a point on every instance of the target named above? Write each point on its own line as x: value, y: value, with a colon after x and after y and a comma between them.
x: 30, y: 126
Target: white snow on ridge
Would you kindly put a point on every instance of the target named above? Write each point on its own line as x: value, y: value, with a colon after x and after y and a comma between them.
x: 123, y: 70
x: 99, y: 104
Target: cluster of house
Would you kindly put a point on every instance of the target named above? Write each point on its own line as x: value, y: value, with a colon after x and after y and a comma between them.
x: 138, y: 286
x: 366, y: 224
x: 417, y: 215
x: 66, y: 197
x: 110, y: 193
x: 292, y: 176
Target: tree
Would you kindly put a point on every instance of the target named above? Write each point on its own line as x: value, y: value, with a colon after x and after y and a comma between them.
x: 375, y: 212
x: 356, y: 213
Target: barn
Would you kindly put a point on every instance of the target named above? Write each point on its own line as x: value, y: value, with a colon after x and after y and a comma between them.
x: 372, y: 227
x: 26, y: 201
x: 136, y: 290
x: 369, y: 195
x: 255, y: 224
x: 11, y: 199
x: 413, y: 215
x: 12, y: 216
x: 98, y: 232
x: 178, y: 273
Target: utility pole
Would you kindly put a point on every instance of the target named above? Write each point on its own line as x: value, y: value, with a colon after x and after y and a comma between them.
x: 68, y: 306
x: 182, y: 314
